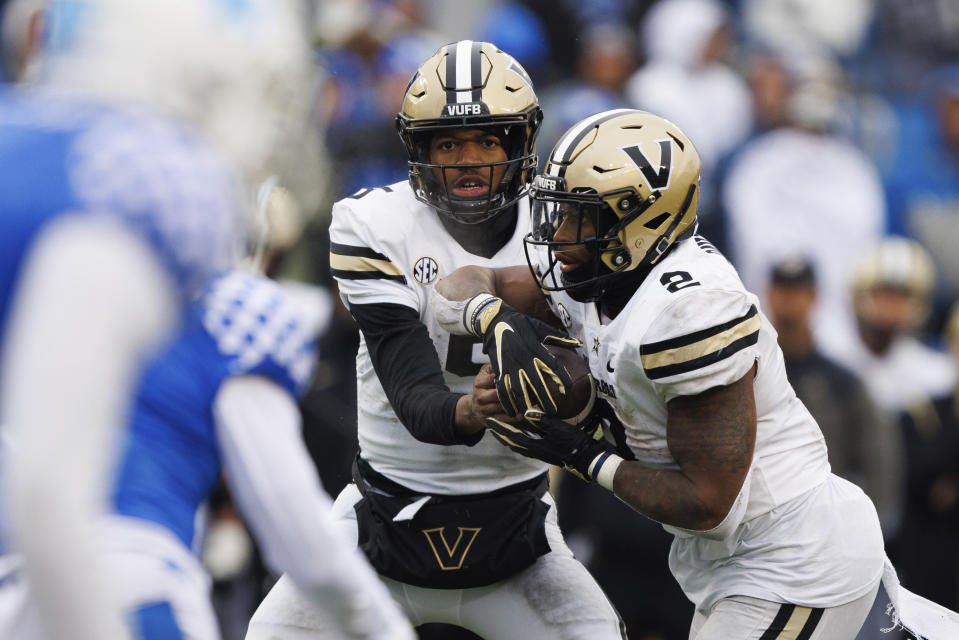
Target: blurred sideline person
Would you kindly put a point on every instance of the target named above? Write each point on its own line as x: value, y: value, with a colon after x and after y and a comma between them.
x: 864, y: 445
x: 127, y: 157
x: 769, y: 214
x: 694, y: 85
x: 715, y: 444
x: 222, y: 399
x: 928, y: 550
x: 461, y: 530
x: 892, y: 287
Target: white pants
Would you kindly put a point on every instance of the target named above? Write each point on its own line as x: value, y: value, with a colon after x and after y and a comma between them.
x: 18, y: 618
x: 746, y: 618
x: 157, y: 582
x: 555, y: 598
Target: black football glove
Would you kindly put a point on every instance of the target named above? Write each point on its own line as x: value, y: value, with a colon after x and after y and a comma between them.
x: 515, y: 344
x: 553, y: 441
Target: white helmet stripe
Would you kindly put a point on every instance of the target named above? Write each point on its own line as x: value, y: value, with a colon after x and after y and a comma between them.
x: 899, y: 259
x: 464, y: 71
x: 566, y: 145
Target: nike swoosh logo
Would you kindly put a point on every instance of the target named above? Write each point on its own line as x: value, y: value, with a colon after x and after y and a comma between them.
x: 609, y: 367
x: 498, y: 332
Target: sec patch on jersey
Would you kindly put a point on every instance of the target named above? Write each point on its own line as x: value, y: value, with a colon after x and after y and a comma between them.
x: 575, y: 404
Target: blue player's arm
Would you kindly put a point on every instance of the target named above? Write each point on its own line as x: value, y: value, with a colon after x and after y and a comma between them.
x: 275, y: 485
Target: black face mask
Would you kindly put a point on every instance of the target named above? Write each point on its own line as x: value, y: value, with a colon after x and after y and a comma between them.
x: 483, y: 240
x: 502, y: 196
x: 596, y: 281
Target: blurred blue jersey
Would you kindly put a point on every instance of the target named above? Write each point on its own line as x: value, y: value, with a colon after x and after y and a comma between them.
x: 243, y: 325
x: 59, y: 158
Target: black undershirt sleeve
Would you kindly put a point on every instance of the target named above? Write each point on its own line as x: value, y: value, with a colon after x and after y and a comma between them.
x: 404, y: 358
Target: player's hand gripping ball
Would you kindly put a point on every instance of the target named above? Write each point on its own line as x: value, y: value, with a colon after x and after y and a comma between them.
x: 536, y: 366
x: 576, y: 402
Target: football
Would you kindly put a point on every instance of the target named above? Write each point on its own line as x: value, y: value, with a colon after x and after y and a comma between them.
x: 577, y: 402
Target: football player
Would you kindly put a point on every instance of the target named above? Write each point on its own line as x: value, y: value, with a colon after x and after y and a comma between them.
x: 461, y: 529
x: 222, y: 399
x: 120, y: 198
x: 767, y: 542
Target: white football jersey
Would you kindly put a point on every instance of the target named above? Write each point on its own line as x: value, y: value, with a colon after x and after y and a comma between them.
x: 692, y: 326
x: 388, y: 247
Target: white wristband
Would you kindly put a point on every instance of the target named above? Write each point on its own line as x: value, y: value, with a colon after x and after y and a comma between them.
x: 603, y: 468
x: 478, y: 304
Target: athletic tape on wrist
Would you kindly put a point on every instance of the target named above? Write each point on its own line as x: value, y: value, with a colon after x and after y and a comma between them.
x: 603, y: 468
x: 449, y: 313
x: 479, y: 313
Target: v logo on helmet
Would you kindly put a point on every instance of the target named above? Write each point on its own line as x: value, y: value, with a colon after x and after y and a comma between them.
x: 656, y: 179
x: 451, y: 558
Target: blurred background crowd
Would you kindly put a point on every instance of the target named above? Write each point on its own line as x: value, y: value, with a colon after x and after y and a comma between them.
x: 829, y: 133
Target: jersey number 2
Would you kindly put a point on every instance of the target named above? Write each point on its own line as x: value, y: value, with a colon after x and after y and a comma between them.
x: 676, y: 280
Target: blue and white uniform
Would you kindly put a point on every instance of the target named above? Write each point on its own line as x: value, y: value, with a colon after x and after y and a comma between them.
x: 110, y: 221
x: 171, y: 457
x: 222, y: 400
x: 147, y: 175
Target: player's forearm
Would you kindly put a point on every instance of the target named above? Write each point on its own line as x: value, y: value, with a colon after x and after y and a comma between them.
x: 434, y: 414
x: 668, y: 496
x: 276, y: 487
x: 406, y: 364
x: 455, y: 295
x: 712, y: 438
x: 466, y: 282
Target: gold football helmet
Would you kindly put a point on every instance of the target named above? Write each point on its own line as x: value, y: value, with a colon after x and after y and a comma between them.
x: 635, y: 177
x: 895, y: 264
x: 469, y: 84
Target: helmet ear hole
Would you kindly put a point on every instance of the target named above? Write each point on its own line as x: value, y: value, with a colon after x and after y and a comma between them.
x: 607, y: 220
x: 658, y: 221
